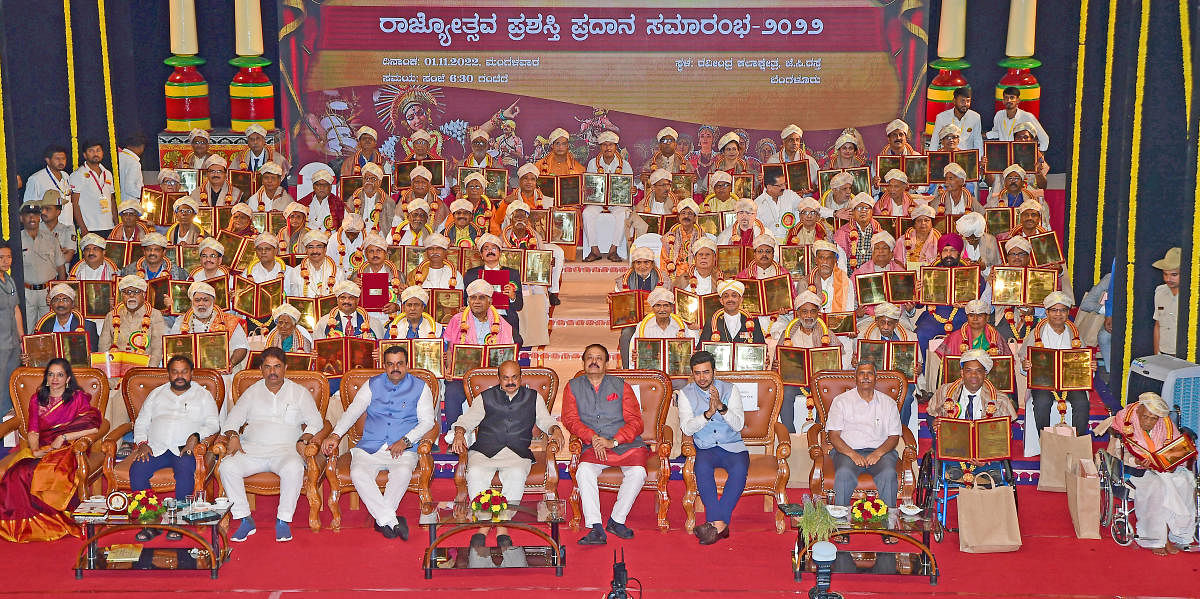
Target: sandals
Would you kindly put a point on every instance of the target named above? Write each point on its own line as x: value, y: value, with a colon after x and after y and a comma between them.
x: 147, y: 534
x: 890, y: 540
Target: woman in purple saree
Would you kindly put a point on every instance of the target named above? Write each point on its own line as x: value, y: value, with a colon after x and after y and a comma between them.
x: 38, y: 480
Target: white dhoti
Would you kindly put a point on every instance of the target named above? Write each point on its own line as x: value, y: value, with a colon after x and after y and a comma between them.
x: 513, y: 470
x: 365, y: 467
x: 589, y: 491
x: 1165, y: 504
x: 603, y: 230
x: 289, y: 467
x: 560, y: 260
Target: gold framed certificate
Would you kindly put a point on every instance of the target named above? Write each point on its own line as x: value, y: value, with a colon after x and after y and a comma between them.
x: 1024, y: 153
x: 752, y: 302
x: 902, y: 357
x: 874, y: 352
x: 749, y: 356
x: 885, y: 163
x: 901, y: 286
x: 870, y: 289
x: 916, y: 168
x: 965, y: 284
x: 428, y: 354
x: 179, y: 345
x: 513, y: 258
x: 722, y: 353
x: 729, y: 259
x: 710, y: 223
x: 935, y: 285
x: 41, y: 348
x: 73, y: 347
x: 1039, y: 282
x: 97, y: 298
x: 499, y: 354
x: 954, y: 439
x: 648, y: 354
x: 153, y: 207
x: 687, y: 306
x: 620, y: 190
x: 536, y: 270
x: 999, y: 219
x: 570, y: 190
x: 938, y: 161
x: 212, y: 350
x: 684, y: 184
x: 993, y: 439
x: 1046, y: 249
x: 445, y: 303
x: 548, y: 185
x: 798, y: 178
x: 1008, y: 285
x: 564, y: 226
x: 595, y: 189
x: 180, y: 302
x: 824, y: 358
x: 795, y: 260
x: 679, y: 354
x: 1042, y: 370
x: 243, y: 181
x: 998, y: 156
x: 1075, y: 370
x: 793, y: 365
x: 465, y: 358
x: 743, y: 186
x: 969, y: 161
x: 777, y: 294
x: 626, y: 308
x: 841, y: 323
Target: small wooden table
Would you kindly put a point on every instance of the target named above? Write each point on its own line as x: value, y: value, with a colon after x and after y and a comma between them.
x: 197, y: 557
x: 895, y: 563
x: 526, y: 518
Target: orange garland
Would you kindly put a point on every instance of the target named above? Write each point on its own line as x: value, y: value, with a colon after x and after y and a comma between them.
x: 145, y: 331
x: 330, y: 281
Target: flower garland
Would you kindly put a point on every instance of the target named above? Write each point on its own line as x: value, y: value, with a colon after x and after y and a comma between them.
x: 493, y: 318
x: 139, y: 339
x: 947, y: 322
x: 786, y: 338
x: 398, y: 233
x: 421, y: 273
x: 376, y: 210
x: 107, y: 265
x: 990, y: 334
x: 749, y: 324
x: 900, y: 332
x: 1060, y: 398
x: 394, y: 325
x: 708, y: 204
x: 218, y: 324
x: 641, y: 327
x: 1027, y: 319
x: 716, y: 275
x: 527, y: 241
x: 624, y: 279
x: 432, y: 199
x: 278, y: 261
x: 330, y: 280
x: 335, y: 325
x: 140, y: 265
x: 679, y: 253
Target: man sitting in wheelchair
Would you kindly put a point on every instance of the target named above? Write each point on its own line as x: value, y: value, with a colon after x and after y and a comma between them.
x: 972, y: 397
x: 1157, y: 455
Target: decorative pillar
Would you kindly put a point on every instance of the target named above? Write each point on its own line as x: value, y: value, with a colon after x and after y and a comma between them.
x: 251, y: 94
x: 952, y: 38
x: 186, y: 90
x: 1022, y: 15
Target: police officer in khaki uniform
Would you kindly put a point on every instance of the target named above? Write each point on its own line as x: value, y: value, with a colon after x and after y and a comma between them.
x: 42, y: 259
x: 1166, y: 303
x: 52, y: 208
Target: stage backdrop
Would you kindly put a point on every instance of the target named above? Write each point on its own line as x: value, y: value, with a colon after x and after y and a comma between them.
x: 704, y: 68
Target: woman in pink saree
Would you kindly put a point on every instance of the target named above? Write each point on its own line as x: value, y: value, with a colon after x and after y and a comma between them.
x: 38, y: 480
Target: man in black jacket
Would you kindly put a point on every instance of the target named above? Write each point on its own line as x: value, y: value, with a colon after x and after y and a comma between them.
x: 731, y: 324
x: 64, y: 317
x: 489, y: 249
x: 502, y: 419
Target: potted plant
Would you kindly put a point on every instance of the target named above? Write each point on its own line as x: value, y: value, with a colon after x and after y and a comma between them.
x: 815, y: 522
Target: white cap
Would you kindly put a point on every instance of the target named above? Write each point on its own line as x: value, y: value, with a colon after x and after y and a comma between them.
x: 198, y: 287
x: 516, y: 206
x: 347, y: 287
x: 949, y: 129
x: 286, y: 309
x: 240, y: 208
x: 807, y: 297
x: 720, y: 177
x: 295, y: 207
x: 660, y: 295
x: 324, y: 174
x: 659, y: 175
x: 266, y: 238
x: 976, y: 355
x: 215, y: 160
x: 371, y: 168
x: 922, y: 209
x: 256, y: 128
x: 1015, y: 168
x: 807, y: 203
x: 133, y: 205
x: 608, y: 137
x: 688, y: 204
x: 557, y: 133
x: 461, y: 204
x: 62, y: 289
x: 211, y: 243
x: 93, y: 239
x: 437, y: 240
x: 764, y: 239
x: 364, y: 130
x: 1018, y: 242
x: 155, y: 239
x: 373, y: 239
x: 479, y: 287
x: 730, y: 285
x: 1025, y: 126
x: 1057, y: 297
x: 314, y: 236
x: 414, y: 291
x: 897, y: 125
x: 954, y: 169
x: 729, y: 137
x: 895, y: 175
x: 476, y: 176
x: 417, y: 204
x: 703, y: 243
x: 977, y: 306
x: 198, y: 133
x: 640, y: 253
x: 421, y: 172
x: 526, y: 169
x: 824, y: 245
x: 845, y: 138
x: 791, y: 130
x: 840, y: 179
x: 487, y: 238
x: 666, y: 132
x: 271, y: 168
x: 970, y: 224
x: 168, y: 174
x: 1030, y: 204
x: 887, y: 310
x: 862, y: 197
x: 883, y: 237
x: 1154, y: 403
x: 134, y: 281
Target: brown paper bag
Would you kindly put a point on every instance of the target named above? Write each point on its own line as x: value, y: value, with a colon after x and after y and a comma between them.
x: 1083, y: 498
x: 799, y: 462
x: 1057, y: 450
x: 987, y: 518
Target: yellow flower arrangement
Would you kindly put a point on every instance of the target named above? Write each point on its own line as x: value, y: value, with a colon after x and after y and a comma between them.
x: 145, y: 506
x: 868, y: 510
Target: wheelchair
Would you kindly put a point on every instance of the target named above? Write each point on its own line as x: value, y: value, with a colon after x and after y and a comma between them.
x: 1116, y: 496
x: 937, y: 485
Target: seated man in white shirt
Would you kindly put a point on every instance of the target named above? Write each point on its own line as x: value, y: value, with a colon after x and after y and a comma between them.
x: 280, y: 418
x: 864, y: 427
x: 174, y: 418
x: 399, y: 411
x: 501, y: 420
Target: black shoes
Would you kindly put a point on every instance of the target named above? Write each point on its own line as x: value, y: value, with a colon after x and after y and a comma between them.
x: 401, y: 528
x: 619, y: 529
x: 595, y: 536
x: 554, y: 301
x: 387, y: 531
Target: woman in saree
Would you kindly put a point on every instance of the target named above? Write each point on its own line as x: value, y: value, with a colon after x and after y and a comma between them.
x: 38, y: 480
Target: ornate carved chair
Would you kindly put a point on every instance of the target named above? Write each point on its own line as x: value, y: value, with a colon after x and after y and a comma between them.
x: 267, y: 483
x: 829, y: 384
x: 543, y: 475
x: 654, y: 389
x: 136, y: 385
x: 337, y: 468
x: 768, y: 472
x: 88, y: 457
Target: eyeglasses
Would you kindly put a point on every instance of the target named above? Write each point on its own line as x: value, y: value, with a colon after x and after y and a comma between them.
x: 666, y: 140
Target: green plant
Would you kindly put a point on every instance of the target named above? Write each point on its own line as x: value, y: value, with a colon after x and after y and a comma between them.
x: 815, y: 522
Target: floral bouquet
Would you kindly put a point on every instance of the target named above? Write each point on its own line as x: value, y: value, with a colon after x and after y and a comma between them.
x: 872, y: 511
x: 145, y: 506
x: 490, y: 501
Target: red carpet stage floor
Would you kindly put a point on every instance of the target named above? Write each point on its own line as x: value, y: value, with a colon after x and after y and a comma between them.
x: 754, y: 562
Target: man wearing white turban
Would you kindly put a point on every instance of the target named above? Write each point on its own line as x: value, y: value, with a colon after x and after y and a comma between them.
x: 1056, y: 331
x: 204, y: 316
x: 506, y: 283
x: 604, y: 227
x: 642, y: 275
x: 972, y: 397
x: 477, y: 324
x: 1165, y: 502
x: 317, y: 274
x: 135, y: 327
x: 325, y: 209
x: 731, y: 324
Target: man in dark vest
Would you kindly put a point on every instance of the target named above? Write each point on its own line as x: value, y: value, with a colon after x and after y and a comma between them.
x: 65, y: 317
x: 399, y: 411
x: 502, y: 420
x: 604, y: 413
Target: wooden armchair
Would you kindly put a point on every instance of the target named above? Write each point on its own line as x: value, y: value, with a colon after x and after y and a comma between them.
x: 88, y: 457
x: 654, y: 389
x: 768, y: 473
x: 828, y: 385
x: 337, y: 468
x: 136, y: 385
x: 543, y: 475
x: 267, y: 483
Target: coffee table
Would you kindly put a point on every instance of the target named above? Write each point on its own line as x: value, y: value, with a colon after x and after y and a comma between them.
x: 896, y: 563
x: 199, y: 556
x: 529, y: 518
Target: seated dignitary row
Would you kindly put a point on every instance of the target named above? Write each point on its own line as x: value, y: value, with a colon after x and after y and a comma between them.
x: 275, y: 426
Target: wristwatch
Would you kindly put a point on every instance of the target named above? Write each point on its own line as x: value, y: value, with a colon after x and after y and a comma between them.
x: 724, y: 408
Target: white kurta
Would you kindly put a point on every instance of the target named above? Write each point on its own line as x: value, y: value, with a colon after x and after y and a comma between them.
x: 318, y: 280
x: 1002, y: 127
x: 603, y: 230
x: 167, y: 420
x: 971, y: 137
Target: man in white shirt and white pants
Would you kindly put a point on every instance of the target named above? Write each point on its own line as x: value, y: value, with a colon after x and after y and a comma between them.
x: 864, y: 427
x: 175, y: 417
x: 966, y: 119
x: 399, y: 411
x: 281, y: 418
